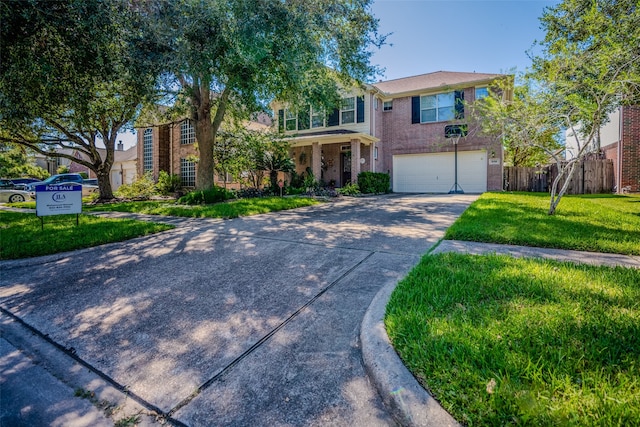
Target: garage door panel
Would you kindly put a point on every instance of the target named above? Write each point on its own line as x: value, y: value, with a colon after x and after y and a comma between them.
x: 435, y: 172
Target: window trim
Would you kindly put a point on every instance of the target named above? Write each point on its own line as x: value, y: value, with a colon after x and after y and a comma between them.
x: 290, y: 115
x: 350, y: 110
x: 187, y: 132
x: 147, y: 150
x: 187, y: 172
x: 484, y: 96
x: 384, y: 106
x: 321, y: 114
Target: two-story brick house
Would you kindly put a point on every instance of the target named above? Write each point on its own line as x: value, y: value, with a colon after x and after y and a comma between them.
x: 171, y: 147
x: 398, y: 127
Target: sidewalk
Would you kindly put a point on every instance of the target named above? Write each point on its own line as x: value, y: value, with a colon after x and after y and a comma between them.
x: 407, y: 401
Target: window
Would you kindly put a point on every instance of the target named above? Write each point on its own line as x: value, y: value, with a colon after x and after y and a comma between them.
x: 147, y: 150
x: 437, y: 108
x: 387, y: 106
x: 317, y: 118
x: 187, y: 173
x: 348, y: 111
x: 291, y: 120
x: 187, y: 133
x: 375, y: 153
x: 481, y: 92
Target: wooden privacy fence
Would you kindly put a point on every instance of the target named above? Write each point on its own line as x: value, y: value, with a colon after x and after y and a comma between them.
x: 590, y: 176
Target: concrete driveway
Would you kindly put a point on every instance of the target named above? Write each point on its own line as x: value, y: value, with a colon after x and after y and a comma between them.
x: 250, y: 321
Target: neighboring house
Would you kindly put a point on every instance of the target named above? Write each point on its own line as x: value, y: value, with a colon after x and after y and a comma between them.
x: 171, y: 147
x: 398, y: 127
x: 123, y: 170
x: 620, y: 142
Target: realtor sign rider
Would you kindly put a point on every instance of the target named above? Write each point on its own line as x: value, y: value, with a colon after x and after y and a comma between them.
x: 58, y: 199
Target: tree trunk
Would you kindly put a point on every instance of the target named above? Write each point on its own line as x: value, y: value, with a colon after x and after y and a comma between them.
x: 104, y: 185
x: 555, y: 199
x: 206, y: 129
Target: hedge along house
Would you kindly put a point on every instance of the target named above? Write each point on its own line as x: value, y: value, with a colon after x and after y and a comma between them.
x: 398, y: 127
x: 172, y: 147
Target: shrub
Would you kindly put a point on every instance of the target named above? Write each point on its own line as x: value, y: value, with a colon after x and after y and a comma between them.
x: 350, y: 189
x: 250, y: 192
x: 63, y: 169
x: 206, y: 197
x: 142, y: 188
x: 167, y: 184
x: 374, y: 182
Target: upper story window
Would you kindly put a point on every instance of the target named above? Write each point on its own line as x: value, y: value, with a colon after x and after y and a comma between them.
x: 187, y: 133
x: 437, y: 108
x: 482, y: 92
x: 317, y: 118
x: 291, y: 120
x: 351, y: 111
x: 387, y: 106
x: 147, y: 150
x: 348, y: 110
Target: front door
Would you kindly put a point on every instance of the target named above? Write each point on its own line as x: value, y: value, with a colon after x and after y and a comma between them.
x: 346, y: 168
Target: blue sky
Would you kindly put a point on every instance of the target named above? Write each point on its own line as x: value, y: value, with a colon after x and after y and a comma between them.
x: 472, y: 35
x: 451, y: 35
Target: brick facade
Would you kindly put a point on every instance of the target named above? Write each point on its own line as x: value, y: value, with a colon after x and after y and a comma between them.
x: 630, y: 153
x: 399, y: 136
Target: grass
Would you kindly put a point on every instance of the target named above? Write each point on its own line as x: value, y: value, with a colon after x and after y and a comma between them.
x: 504, y: 341
x: 231, y: 209
x: 21, y: 235
x: 598, y: 223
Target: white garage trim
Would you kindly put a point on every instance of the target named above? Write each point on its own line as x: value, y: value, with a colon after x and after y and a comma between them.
x: 434, y: 172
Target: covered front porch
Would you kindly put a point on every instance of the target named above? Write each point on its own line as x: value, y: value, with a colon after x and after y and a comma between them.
x: 335, y: 157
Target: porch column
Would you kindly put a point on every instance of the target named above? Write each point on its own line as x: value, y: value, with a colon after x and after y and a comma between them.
x: 355, y: 159
x: 316, y: 160
x: 372, y: 162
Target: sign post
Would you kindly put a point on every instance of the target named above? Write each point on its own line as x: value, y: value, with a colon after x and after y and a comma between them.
x: 58, y: 200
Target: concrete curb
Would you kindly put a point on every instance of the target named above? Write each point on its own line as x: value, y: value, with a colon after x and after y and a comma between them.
x: 407, y: 401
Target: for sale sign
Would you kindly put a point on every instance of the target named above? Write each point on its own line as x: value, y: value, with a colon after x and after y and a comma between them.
x: 58, y: 199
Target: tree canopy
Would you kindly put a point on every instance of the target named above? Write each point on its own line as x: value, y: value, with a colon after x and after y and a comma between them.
x: 222, y: 55
x: 71, y: 77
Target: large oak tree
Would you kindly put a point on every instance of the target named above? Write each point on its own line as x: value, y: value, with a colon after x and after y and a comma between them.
x: 72, y: 75
x: 223, y: 55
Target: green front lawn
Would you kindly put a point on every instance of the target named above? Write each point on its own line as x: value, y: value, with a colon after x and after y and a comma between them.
x: 230, y: 209
x: 22, y: 236
x: 598, y: 223
x: 504, y: 341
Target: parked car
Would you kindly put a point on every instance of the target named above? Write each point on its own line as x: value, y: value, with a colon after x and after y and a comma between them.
x: 91, y: 181
x: 13, y: 196
x: 61, y: 179
x: 21, y: 183
x: 6, y: 184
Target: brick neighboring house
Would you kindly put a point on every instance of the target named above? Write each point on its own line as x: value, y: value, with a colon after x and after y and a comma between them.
x: 398, y: 127
x: 170, y: 147
x: 123, y: 170
x: 620, y: 142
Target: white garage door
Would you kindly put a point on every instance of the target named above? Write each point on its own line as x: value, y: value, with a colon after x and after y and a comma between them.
x: 434, y: 173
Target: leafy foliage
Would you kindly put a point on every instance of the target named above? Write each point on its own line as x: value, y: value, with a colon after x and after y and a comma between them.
x: 16, y: 162
x: 167, y: 183
x: 350, y: 189
x: 206, y: 197
x: 374, y: 182
x: 232, y: 56
x: 71, y: 77
x: 141, y: 189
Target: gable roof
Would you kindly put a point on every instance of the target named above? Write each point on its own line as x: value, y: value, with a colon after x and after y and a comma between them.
x: 431, y: 81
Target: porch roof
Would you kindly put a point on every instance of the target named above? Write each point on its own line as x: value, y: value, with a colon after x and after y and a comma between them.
x: 331, y: 137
